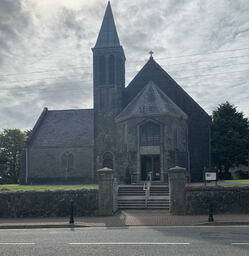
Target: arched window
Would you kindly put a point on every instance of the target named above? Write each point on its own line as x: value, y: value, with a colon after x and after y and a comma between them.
x: 102, y: 70
x: 150, y: 134
x: 111, y: 65
x: 108, y: 160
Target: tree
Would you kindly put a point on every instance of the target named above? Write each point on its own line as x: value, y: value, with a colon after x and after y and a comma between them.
x: 12, y: 143
x: 229, y: 137
x: 3, y: 163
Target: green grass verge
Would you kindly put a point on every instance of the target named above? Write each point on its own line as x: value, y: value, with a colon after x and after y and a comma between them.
x: 237, y: 181
x: 16, y: 187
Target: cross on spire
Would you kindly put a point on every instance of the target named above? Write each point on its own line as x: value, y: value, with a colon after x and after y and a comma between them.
x: 151, y: 54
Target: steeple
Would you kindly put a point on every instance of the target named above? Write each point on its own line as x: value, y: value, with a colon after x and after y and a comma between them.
x: 108, y: 68
x: 108, y: 87
x: 108, y: 36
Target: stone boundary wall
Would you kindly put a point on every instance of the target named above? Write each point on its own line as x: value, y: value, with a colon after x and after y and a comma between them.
x: 224, y: 200
x: 48, y: 203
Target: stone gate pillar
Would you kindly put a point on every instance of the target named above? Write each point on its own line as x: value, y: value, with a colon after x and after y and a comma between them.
x: 177, y: 176
x: 105, y: 181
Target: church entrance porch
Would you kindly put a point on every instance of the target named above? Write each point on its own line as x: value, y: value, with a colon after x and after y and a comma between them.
x: 150, y: 163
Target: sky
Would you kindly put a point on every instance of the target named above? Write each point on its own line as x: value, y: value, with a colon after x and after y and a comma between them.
x: 46, y: 57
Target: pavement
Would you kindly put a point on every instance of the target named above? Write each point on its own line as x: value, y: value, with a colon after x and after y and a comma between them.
x: 126, y: 218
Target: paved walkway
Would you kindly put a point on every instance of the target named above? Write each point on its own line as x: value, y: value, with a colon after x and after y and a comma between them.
x: 127, y: 218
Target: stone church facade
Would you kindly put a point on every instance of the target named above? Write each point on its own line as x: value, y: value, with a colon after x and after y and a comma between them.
x: 146, y: 127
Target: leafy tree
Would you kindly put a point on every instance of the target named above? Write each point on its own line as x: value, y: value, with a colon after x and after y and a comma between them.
x: 229, y: 137
x: 3, y: 164
x: 12, y: 143
x: 28, y: 133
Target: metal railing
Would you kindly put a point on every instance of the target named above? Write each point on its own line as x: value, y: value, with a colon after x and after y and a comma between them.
x: 146, y: 188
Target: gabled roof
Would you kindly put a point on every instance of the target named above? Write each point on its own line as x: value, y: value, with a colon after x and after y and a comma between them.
x: 151, y: 101
x: 152, y: 71
x: 108, y: 36
x: 70, y: 128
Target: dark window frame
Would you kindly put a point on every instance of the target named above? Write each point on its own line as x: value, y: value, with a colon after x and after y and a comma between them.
x: 150, y: 134
x: 111, y: 69
x: 102, y: 69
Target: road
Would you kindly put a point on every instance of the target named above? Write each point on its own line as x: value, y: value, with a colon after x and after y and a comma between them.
x: 126, y: 241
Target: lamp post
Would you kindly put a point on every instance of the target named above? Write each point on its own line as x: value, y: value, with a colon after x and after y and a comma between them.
x: 211, y: 212
x: 71, y: 221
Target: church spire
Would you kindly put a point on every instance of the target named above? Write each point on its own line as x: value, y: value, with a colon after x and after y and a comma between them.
x: 108, y: 36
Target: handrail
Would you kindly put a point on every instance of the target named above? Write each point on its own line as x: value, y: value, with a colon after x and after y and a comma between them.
x: 146, y: 187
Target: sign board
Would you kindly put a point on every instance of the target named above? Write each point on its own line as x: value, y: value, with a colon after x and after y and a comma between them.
x: 210, y: 176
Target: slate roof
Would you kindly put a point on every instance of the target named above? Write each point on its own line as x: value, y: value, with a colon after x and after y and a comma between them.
x: 108, y: 36
x: 69, y: 128
x: 151, y: 101
x: 152, y: 71
x: 198, y: 120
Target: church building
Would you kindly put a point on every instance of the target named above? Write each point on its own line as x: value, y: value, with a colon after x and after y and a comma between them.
x: 148, y: 126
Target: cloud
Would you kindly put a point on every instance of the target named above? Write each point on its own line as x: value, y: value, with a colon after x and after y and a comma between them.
x: 60, y: 94
x: 13, y: 20
x: 46, y: 45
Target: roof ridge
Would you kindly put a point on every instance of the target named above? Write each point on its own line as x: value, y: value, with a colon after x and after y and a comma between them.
x: 73, y: 109
x: 140, y: 71
x: 143, y: 104
x: 37, y: 125
x: 151, y: 61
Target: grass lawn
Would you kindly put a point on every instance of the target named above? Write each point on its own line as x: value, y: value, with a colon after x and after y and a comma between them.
x: 238, y: 181
x: 15, y: 187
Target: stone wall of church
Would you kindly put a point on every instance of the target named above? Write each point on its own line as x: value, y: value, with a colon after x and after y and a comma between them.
x: 199, y: 147
x: 199, y: 121
x: 105, y: 138
x: 60, y: 165
x: 108, y: 99
x: 172, y: 153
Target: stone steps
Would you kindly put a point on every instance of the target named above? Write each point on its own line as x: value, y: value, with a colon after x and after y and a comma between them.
x: 133, y: 197
x: 156, y: 190
x: 141, y: 204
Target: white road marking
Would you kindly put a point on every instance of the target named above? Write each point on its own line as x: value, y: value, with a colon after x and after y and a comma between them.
x: 126, y: 227
x: 240, y: 243
x: 17, y: 243
x: 129, y: 243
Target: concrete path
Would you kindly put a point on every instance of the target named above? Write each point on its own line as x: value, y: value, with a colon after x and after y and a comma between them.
x: 127, y: 218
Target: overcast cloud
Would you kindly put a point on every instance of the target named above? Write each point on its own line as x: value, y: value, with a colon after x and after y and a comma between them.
x: 46, y: 57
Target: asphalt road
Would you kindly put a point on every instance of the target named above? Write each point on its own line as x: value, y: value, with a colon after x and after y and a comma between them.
x: 126, y: 241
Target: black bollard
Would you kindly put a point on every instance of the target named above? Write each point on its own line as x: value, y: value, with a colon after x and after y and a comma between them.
x: 211, y: 213
x: 71, y: 221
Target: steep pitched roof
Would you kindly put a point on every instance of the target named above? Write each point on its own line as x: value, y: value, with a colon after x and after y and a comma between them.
x: 152, y: 71
x: 153, y: 101
x: 70, y: 128
x: 108, y: 36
